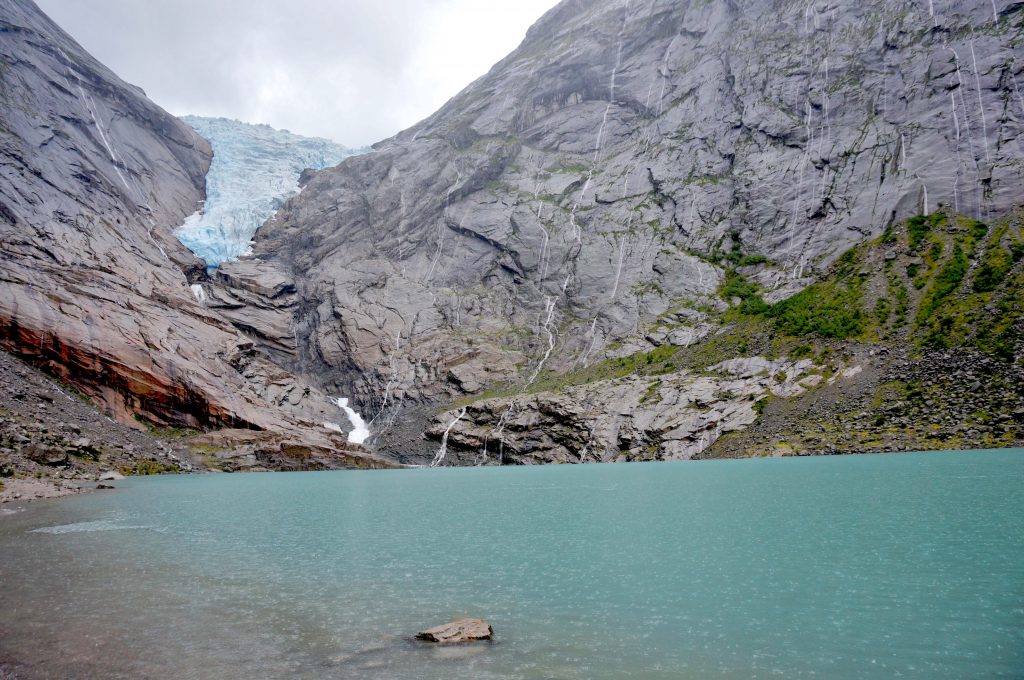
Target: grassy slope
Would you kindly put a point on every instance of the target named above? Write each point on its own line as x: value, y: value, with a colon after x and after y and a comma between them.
x: 942, y: 294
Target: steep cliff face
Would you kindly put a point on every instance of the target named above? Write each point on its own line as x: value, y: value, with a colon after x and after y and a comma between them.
x: 93, y: 284
x: 608, y: 173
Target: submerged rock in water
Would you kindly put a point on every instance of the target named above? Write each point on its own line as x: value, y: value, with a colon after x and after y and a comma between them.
x: 460, y: 630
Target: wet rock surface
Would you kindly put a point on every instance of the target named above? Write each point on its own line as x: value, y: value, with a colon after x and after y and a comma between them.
x: 459, y: 630
x: 670, y: 417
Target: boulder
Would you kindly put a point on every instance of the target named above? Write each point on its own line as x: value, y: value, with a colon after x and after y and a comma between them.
x: 47, y: 455
x: 459, y: 630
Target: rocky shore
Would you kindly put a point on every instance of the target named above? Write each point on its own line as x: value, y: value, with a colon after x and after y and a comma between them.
x: 54, y: 442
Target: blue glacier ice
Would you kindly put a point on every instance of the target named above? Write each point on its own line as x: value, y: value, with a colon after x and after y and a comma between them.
x: 255, y: 169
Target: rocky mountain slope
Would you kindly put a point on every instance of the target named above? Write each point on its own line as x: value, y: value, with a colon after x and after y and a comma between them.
x: 53, y: 442
x: 591, y: 198
x: 912, y: 341
x: 93, y: 285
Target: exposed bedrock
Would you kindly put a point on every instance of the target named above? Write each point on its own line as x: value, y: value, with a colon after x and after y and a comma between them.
x: 93, y: 285
x: 597, y: 178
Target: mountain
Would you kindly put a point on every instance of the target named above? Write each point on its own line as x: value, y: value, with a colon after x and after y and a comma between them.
x: 638, y: 184
x: 95, y: 288
x: 656, y: 230
x: 255, y: 168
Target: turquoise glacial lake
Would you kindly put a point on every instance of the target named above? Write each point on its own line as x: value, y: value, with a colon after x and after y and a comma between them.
x: 882, y: 566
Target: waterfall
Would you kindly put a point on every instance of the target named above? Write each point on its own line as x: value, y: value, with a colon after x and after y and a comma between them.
x: 200, y: 294
x: 443, y: 451
x: 618, y: 271
x: 360, y: 432
x: 550, y: 311
x: 981, y: 103
x: 582, y: 359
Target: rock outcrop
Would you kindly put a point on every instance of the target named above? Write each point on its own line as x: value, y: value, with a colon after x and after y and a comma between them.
x: 459, y: 630
x: 93, y: 285
x: 615, y: 167
x: 675, y: 416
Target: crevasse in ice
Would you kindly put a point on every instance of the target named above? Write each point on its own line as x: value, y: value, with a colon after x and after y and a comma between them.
x: 255, y: 169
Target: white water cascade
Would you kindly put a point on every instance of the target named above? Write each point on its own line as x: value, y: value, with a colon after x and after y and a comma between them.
x: 443, y: 451
x: 550, y: 311
x: 198, y: 292
x: 360, y: 432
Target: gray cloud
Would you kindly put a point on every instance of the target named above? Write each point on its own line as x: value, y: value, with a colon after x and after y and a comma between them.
x: 355, y: 71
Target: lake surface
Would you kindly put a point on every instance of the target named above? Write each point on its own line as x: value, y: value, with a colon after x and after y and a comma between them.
x: 907, y: 565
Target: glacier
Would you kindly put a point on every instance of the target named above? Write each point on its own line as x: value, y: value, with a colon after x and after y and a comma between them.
x: 255, y: 169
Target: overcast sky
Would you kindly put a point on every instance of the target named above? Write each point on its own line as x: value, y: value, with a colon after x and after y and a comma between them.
x: 356, y: 71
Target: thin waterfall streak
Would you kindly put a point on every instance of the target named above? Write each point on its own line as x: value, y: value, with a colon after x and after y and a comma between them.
x: 440, y: 225
x: 1016, y: 89
x: 956, y: 119
x: 925, y: 187
x: 550, y: 310
x: 981, y: 103
x: 500, y: 430
x: 963, y: 106
x: 392, y: 382
x: 442, y: 452
x: 577, y: 232
x: 959, y: 157
x: 544, y: 252
x: 618, y: 271
x: 967, y: 125
x: 582, y: 359
x: 90, y: 106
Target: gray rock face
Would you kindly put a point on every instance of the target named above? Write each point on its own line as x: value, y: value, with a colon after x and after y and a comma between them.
x: 93, y: 285
x: 583, y: 187
x: 672, y: 417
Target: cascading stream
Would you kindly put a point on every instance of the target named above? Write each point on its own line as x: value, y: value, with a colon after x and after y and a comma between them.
x: 360, y: 432
x: 443, y: 451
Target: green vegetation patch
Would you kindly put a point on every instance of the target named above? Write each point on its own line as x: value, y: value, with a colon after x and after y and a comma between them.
x: 829, y: 310
x: 946, y: 281
x: 919, y: 227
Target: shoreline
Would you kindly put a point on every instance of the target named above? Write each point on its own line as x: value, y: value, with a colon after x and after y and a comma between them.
x: 27, y: 490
